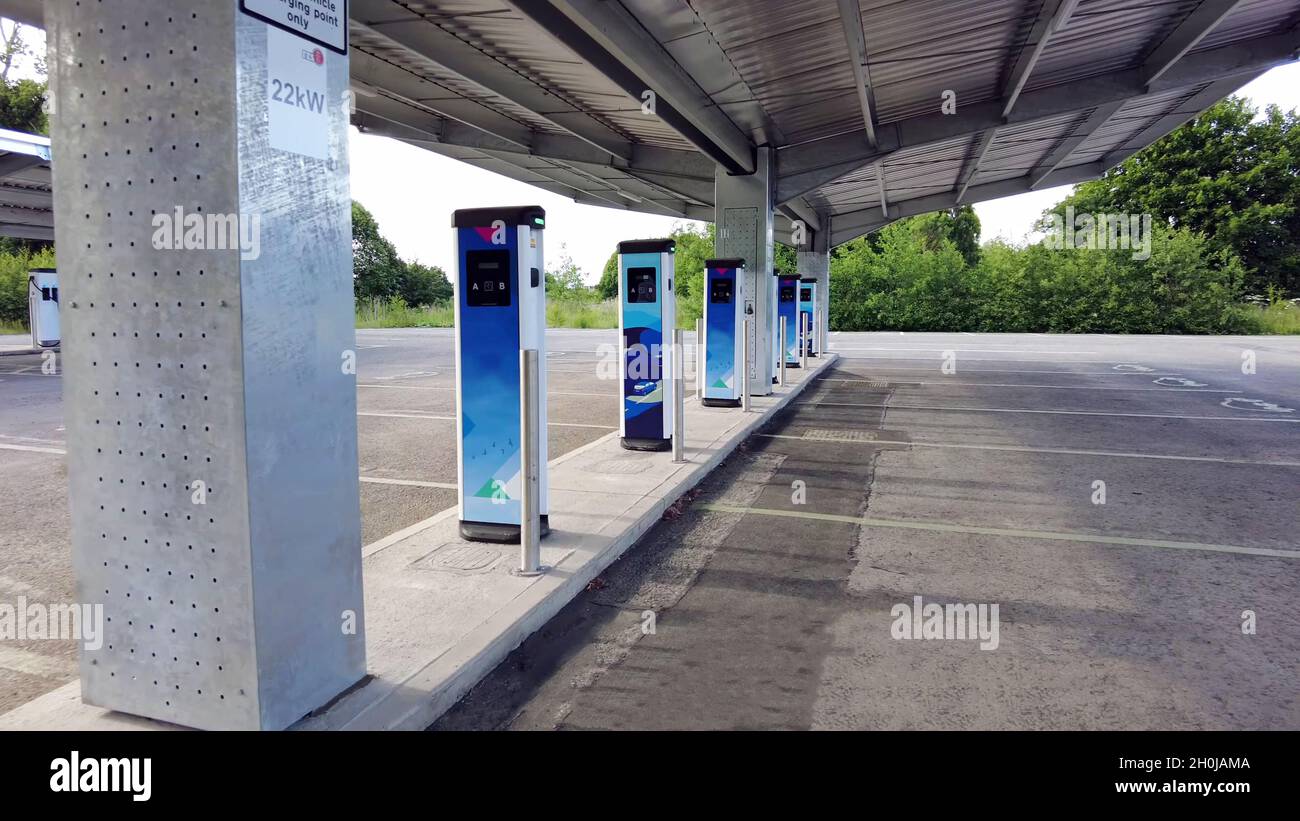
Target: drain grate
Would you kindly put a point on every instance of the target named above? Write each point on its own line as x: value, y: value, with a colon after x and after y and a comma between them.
x: 841, y: 435
x: 460, y: 558
x: 622, y: 467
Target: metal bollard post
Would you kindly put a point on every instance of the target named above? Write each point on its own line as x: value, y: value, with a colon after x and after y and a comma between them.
x: 784, y: 349
x: 744, y: 368
x: 699, y: 361
x: 679, y: 398
x: 530, y: 519
x: 804, y: 341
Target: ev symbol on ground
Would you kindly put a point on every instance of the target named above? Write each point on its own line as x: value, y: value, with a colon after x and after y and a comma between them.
x: 1248, y: 622
x: 1099, y: 492
x: 1178, y: 382
x: 1241, y: 403
x: 1132, y: 368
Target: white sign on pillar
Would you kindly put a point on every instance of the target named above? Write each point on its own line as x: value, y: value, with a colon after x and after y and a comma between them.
x: 297, y: 103
x: 323, y: 22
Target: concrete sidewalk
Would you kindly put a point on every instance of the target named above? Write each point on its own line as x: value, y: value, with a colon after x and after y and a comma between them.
x: 441, y: 613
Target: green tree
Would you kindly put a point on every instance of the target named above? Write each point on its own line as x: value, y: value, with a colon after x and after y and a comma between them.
x: 607, y: 288
x: 22, y: 102
x: 1231, y: 175
x: 377, y: 271
x: 565, y: 280
x: 423, y: 285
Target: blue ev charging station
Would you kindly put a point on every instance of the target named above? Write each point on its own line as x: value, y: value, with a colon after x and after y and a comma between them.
x: 647, y: 315
x: 808, y: 305
x: 787, y: 306
x: 724, y: 306
x: 500, y: 310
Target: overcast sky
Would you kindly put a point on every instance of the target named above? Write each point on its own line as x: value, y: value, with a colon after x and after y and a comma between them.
x: 412, y: 193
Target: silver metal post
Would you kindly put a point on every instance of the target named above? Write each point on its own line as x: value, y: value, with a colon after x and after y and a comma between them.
x: 744, y: 367
x: 783, y: 348
x: 679, y: 398
x: 803, y: 340
x: 699, y: 361
x: 530, y: 520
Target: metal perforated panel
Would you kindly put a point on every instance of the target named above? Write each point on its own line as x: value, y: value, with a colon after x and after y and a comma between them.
x: 746, y: 231
x: 739, y: 239
x: 152, y: 389
x: 145, y: 122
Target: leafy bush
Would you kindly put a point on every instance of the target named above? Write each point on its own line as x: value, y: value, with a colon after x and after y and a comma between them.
x: 906, y: 279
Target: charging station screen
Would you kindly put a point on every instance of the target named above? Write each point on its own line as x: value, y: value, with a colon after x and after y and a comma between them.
x: 721, y: 292
x: 805, y: 295
x: 641, y: 285
x: 487, y: 281
x: 787, y: 293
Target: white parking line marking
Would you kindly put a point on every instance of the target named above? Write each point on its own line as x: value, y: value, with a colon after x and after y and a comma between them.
x: 958, y: 350
x: 939, y: 527
x: 968, y: 371
x: 1050, y: 412
x: 31, y: 449
x: 1047, y: 387
x: 1025, y: 449
x: 375, y: 480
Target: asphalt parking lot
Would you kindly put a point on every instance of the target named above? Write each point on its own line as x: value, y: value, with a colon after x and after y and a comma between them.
x: 974, y: 483
x: 975, y: 486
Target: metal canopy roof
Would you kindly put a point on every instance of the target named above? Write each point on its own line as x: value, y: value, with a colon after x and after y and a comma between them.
x: 26, y: 195
x: 848, y: 92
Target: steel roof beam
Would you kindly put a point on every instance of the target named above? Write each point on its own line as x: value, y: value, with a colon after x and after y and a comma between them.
x: 851, y: 21
x: 609, y: 38
x: 1099, y: 117
x: 803, y: 168
x: 426, y: 39
x: 1203, y: 20
x: 854, y: 224
x: 974, y: 161
x: 1052, y: 17
x: 1186, y: 111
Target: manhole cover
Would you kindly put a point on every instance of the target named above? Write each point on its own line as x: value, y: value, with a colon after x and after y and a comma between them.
x: 460, y: 558
x: 621, y: 467
x: 841, y: 435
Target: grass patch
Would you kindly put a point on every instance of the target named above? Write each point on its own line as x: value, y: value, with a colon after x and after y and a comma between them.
x: 1279, y: 318
x: 394, y: 313
x: 13, y: 328
x: 572, y: 313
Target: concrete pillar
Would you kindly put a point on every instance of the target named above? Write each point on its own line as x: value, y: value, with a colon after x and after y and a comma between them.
x: 744, y: 220
x: 817, y: 264
x: 203, y: 232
